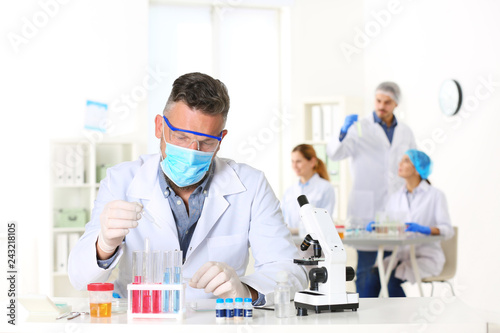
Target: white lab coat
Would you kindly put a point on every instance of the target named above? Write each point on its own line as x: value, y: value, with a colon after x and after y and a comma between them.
x: 241, y: 210
x: 429, y: 208
x: 320, y: 194
x: 374, y: 165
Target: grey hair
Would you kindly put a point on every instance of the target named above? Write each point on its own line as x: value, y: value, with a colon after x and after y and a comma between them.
x: 391, y: 89
x: 200, y: 92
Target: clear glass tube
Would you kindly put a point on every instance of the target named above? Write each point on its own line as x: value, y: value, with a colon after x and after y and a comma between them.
x: 146, y: 278
x: 282, y: 296
x: 168, y: 278
x: 177, y: 278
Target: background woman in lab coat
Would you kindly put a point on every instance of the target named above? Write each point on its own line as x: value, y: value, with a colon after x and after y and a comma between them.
x: 313, y: 182
x: 427, y: 212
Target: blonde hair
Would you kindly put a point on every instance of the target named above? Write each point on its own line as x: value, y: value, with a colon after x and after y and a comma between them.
x: 309, y: 153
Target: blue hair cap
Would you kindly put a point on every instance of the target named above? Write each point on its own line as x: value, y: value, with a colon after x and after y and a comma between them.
x: 421, y: 162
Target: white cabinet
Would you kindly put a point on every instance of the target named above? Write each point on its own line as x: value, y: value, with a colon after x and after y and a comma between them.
x: 322, y: 121
x: 77, y: 168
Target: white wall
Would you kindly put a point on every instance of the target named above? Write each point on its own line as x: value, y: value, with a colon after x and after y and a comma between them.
x: 75, y: 51
x: 425, y: 43
x: 319, y: 70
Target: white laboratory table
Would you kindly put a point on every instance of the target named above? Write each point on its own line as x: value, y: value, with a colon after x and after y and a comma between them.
x: 382, y: 242
x: 419, y: 314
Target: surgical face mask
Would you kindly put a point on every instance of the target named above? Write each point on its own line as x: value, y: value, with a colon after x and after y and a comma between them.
x: 185, y: 166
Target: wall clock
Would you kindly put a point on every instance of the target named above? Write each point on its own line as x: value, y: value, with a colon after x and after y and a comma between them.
x: 450, y: 97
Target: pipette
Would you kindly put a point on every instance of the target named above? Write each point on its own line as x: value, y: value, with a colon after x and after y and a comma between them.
x: 149, y: 217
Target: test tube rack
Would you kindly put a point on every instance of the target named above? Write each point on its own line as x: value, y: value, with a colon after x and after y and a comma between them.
x: 389, y: 229
x: 157, y: 287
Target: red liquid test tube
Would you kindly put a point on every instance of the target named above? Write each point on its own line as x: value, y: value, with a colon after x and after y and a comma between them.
x: 157, y: 279
x: 147, y: 278
x: 137, y: 274
x: 157, y: 301
x: 146, y: 301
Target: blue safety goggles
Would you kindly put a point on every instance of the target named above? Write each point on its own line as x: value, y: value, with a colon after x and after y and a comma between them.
x: 175, y: 129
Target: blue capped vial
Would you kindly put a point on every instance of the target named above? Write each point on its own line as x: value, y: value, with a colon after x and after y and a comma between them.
x: 220, y: 309
x: 238, y: 308
x: 229, y: 308
x: 248, y: 309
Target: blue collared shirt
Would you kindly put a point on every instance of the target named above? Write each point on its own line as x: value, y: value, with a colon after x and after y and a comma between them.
x: 186, y: 222
x: 389, y: 130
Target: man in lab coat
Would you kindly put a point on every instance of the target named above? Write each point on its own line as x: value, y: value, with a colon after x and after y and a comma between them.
x: 375, y: 145
x: 186, y: 198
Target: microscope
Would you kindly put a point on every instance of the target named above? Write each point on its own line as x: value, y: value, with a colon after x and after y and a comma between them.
x: 327, y: 290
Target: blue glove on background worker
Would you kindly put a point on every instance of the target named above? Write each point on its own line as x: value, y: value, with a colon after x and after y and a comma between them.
x: 415, y: 227
x: 370, y: 227
x: 349, y: 120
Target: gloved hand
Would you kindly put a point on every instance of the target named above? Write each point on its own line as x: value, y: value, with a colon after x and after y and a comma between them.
x: 370, y: 227
x: 349, y: 120
x: 220, y: 279
x: 116, y: 219
x: 415, y: 227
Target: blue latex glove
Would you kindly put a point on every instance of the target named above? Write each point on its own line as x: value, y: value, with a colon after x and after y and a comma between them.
x: 370, y: 227
x: 349, y: 120
x: 415, y: 227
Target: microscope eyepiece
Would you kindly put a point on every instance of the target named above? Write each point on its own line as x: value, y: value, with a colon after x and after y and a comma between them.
x: 302, y: 199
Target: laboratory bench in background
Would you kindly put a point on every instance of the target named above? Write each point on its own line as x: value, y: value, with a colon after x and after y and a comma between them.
x: 394, y: 243
x: 419, y: 314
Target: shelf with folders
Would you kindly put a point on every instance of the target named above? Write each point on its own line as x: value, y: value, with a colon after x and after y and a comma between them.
x: 323, y: 118
x: 332, y: 167
x: 77, y: 168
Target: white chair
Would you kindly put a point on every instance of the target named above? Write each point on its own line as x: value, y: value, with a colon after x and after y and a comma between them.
x: 449, y: 247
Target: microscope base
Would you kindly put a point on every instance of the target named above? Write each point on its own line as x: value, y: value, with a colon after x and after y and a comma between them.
x: 315, y: 302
